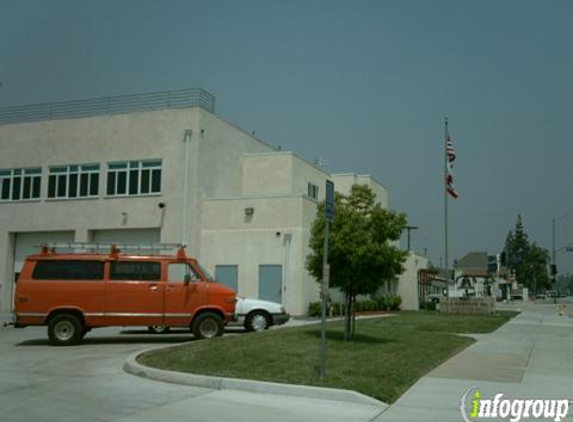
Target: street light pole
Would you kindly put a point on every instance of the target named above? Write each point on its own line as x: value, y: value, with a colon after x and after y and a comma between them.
x: 553, y: 236
x: 554, y: 253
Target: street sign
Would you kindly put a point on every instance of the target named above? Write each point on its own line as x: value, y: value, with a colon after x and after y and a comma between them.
x: 329, y: 208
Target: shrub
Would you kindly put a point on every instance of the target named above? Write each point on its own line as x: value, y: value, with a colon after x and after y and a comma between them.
x: 314, y: 309
x: 381, y: 303
x: 394, y: 303
x: 336, y: 309
x: 430, y: 306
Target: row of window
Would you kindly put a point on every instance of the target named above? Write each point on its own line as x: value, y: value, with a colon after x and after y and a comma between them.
x: 82, y: 181
x: 119, y: 270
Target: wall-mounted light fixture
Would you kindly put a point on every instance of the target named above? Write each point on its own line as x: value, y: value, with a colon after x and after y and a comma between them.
x: 249, y: 211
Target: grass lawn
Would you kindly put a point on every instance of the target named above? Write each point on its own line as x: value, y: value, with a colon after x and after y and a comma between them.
x: 386, y: 357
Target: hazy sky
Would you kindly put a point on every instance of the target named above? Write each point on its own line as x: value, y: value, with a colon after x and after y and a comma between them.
x: 363, y: 84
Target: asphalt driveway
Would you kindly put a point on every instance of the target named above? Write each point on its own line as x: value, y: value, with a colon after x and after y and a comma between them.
x: 43, y: 383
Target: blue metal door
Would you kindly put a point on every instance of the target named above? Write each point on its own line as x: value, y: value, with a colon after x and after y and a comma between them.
x: 228, y: 275
x: 270, y: 282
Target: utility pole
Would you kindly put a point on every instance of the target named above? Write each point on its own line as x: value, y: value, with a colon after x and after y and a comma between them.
x: 410, y: 228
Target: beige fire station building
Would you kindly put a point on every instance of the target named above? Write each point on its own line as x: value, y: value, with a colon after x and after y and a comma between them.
x: 162, y: 168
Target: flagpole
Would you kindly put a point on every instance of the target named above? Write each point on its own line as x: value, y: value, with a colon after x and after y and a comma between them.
x: 446, y: 211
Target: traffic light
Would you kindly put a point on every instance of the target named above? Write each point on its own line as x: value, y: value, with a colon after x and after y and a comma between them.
x: 503, y: 258
x: 553, y: 270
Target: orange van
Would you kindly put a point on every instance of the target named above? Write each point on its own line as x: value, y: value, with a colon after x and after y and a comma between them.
x: 72, y: 293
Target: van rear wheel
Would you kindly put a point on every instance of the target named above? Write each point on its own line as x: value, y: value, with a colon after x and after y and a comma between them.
x: 208, y: 325
x: 65, y: 330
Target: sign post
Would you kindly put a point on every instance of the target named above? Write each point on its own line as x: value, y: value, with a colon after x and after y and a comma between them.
x: 328, y: 216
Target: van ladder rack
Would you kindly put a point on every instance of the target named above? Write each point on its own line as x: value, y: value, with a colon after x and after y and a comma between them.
x: 108, y: 246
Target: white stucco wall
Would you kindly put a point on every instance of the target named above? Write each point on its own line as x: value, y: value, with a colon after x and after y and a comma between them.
x: 280, y: 173
x: 128, y: 137
x: 407, y: 286
x: 215, y: 168
x: 229, y: 237
x: 343, y: 183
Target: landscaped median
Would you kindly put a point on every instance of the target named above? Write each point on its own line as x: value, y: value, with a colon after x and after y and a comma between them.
x: 386, y: 357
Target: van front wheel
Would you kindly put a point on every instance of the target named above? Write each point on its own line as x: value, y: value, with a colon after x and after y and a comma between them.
x: 65, y: 330
x: 208, y: 325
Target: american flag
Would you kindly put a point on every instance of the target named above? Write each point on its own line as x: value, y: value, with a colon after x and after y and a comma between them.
x: 451, y: 154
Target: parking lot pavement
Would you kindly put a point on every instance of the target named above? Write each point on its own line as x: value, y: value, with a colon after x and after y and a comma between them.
x: 42, y: 383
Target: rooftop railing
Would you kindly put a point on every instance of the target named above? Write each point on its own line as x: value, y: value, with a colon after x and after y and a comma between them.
x: 121, y: 104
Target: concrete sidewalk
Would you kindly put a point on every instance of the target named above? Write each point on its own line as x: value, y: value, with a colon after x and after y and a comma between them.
x: 529, y: 357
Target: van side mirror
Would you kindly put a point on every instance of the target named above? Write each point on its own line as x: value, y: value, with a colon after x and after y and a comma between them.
x: 187, y: 279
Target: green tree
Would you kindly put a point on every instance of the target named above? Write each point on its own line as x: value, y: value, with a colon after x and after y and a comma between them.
x: 528, y: 260
x: 360, y: 254
x: 537, y: 261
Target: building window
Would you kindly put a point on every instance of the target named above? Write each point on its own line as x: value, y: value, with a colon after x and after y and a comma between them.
x: 20, y: 184
x: 312, y: 191
x: 76, y: 181
x: 134, y: 178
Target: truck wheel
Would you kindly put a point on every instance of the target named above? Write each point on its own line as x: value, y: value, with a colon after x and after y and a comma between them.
x: 257, y: 321
x: 207, y: 325
x: 65, y: 330
x: 158, y: 329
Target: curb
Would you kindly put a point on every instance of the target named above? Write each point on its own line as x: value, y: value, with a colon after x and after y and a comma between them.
x: 131, y: 366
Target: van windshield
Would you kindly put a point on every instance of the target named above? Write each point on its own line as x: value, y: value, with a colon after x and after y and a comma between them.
x: 206, y: 273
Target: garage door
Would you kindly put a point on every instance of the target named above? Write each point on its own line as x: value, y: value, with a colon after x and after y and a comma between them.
x: 142, y: 237
x: 26, y: 244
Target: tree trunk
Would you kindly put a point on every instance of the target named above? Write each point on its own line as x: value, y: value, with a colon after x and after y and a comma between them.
x: 347, y: 315
x: 353, y: 331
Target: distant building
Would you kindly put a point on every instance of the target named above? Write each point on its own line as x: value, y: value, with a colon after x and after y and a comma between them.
x: 473, y: 264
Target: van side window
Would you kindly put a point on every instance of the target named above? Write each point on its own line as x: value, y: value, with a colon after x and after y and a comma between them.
x: 178, y: 271
x: 68, y: 270
x: 135, y: 270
